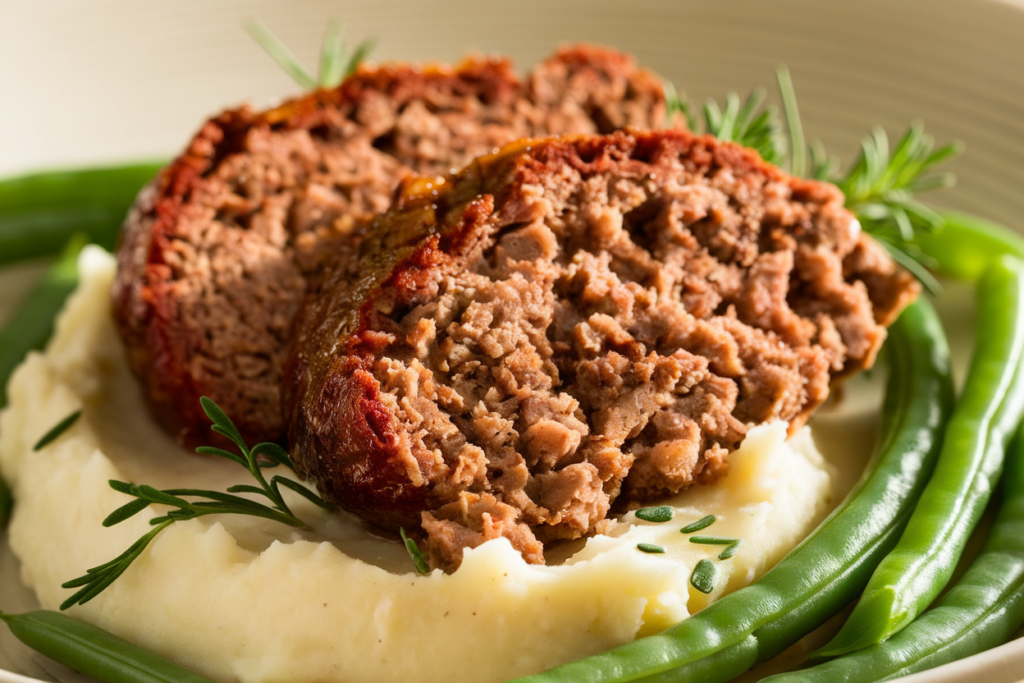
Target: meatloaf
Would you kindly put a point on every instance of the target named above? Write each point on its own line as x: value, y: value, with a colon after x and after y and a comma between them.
x: 217, y: 253
x: 574, y: 321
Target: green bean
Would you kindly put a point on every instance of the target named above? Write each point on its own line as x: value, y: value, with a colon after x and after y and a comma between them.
x: 983, y: 609
x: 966, y: 245
x: 40, y: 212
x: 920, y: 566
x: 827, y: 570
x: 32, y: 323
x: 93, y: 651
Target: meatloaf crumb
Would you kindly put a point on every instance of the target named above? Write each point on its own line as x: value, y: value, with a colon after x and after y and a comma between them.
x: 574, y: 321
x: 216, y: 255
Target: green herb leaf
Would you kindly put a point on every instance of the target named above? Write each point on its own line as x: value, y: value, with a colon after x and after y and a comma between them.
x: 730, y: 551
x: 269, y: 454
x: 703, y: 576
x: 713, y: 540
x: 748, y: 124
x: 359, y: 55
x: 221, y: 453
x: 677, y: 105
x: 797, y: 147
x: 301, y: 490
x: 649, y: 548
x: 332, y: 56
x: 418, y: 560
x: 279, y: 53
x: 126, y: 511
x: 662, y: 513
x: 55, y: 432
x: 702, y: 523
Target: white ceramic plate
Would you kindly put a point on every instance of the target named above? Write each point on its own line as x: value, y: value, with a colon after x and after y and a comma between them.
x: 108, y: 80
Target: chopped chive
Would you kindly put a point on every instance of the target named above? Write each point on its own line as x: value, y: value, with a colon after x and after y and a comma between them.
x: 730, y: 551
x: 414, y: 552
x: 662, y: 513
x: 713, y: 540
x: 703, y: 576
x: 649, y: 548
x: 58, y: 429
x: 702, y: 523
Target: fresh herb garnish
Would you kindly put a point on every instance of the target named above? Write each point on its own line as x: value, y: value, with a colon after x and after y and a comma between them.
x: 702, y: 523
x: 713, y: 540
x: 336, y: 62
x: 880, y: 189
x: 730, y: 551
x: 55, y: 431
x: 254, y: 460
x: 661, y: 513
x: 703, y: 576
x: 649, y: 548
x: 418, y: 560
x: 743, y: 124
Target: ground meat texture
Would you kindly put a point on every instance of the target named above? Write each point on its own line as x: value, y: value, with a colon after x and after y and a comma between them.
x: 217, y: 253
x: 572, y: 322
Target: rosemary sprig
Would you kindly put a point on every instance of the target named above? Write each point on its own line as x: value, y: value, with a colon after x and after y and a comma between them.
x: 336, y: 62
x: 880, y: 187
x: 747, y: 123
x: 254, y: 460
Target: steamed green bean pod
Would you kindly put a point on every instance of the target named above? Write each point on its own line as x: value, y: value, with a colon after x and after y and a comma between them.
x: 40, y: 212
x: 988, y: 412
x: 983, y: 609
x: 828, y: 569
x: 93, y: 651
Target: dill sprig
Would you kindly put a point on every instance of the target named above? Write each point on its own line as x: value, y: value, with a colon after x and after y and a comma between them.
x: 254, y: 460
x: 336, y: 61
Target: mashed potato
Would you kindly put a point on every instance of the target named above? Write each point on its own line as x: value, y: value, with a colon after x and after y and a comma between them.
x: 248, y: 600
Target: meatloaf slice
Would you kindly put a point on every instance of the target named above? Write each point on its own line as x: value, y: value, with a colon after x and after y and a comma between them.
x: 572, y: 321
x: 217, y: 253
